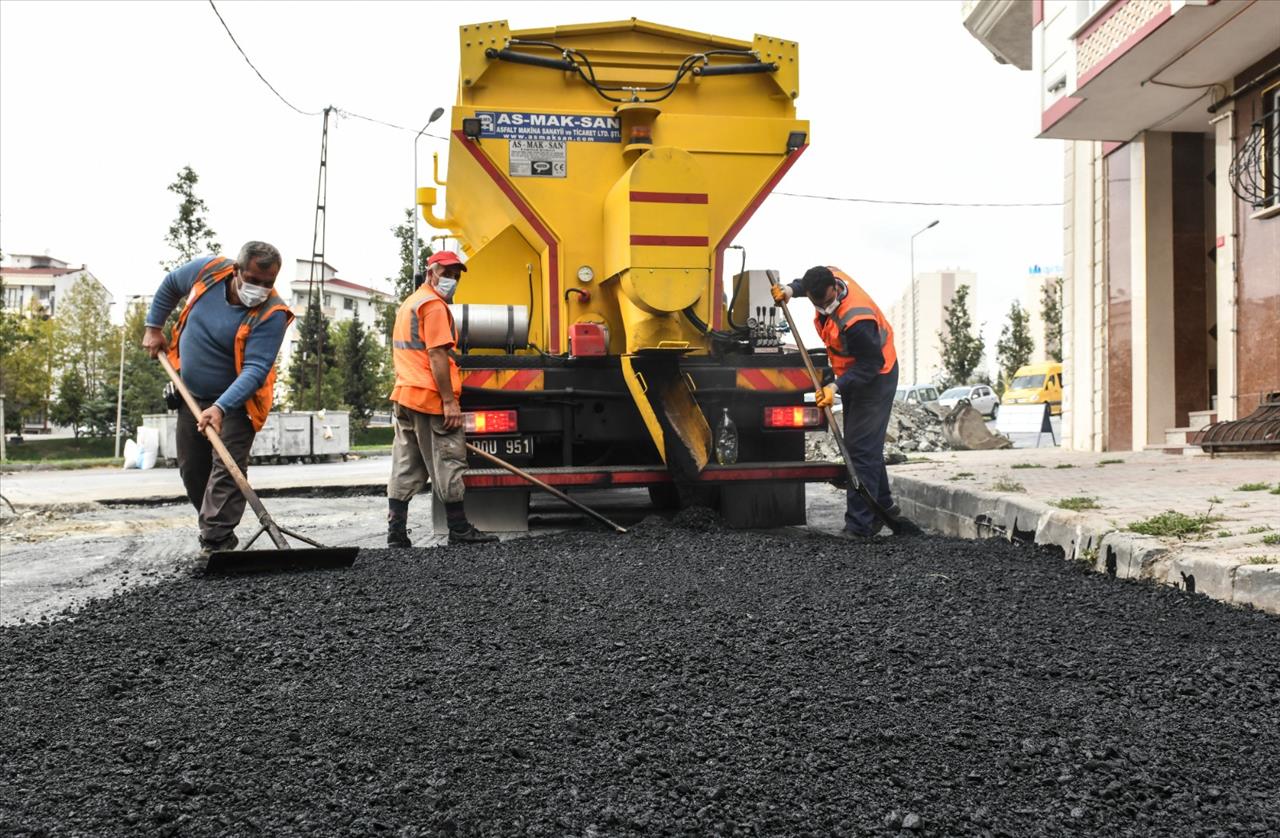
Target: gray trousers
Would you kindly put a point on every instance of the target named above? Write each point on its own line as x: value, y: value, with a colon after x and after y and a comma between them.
x: 209, y: 485
x: 423, y: 449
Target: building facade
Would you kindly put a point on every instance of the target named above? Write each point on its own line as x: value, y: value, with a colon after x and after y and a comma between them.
x: 917, y: 332
x: 34, y: 283
x: 1170, y: 115
x: 341, y: 300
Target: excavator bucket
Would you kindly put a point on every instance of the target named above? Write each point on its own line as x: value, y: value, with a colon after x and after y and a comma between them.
x: 966, y: 430
x: 663, y: 394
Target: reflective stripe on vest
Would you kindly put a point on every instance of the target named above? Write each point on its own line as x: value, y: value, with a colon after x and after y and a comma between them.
x: 410, y: 353
x: 855, y: 305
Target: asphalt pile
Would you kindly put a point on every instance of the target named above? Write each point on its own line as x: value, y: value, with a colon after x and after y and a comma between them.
x: 675, y: 680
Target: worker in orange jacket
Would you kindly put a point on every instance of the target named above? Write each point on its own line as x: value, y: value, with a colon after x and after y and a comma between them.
x: 859, y: 342
x: 429, y: 440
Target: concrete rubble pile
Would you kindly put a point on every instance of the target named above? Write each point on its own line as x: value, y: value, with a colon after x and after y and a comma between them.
x: 912, y: 429
x: 677, y: 680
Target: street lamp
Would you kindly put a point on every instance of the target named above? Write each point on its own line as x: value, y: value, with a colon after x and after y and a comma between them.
x: 915, y: 303
x: 436, y: 114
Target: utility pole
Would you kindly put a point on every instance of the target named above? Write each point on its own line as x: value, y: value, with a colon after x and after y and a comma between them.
x: 120, y: 384
x: 3, y: 430
x: 915, y: 307
x: 315, y: 294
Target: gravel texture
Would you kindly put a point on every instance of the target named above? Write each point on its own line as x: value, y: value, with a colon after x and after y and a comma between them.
x: 675, y: 680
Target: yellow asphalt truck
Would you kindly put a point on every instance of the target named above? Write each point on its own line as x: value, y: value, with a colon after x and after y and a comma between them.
x: 597, y: 176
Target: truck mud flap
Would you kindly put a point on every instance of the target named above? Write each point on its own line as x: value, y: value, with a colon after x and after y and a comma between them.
x: 663, y: 394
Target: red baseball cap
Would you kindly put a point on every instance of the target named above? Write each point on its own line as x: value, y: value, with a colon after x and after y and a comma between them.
x: 445, y: 257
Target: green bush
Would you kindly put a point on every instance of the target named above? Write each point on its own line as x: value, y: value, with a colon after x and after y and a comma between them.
x: 1077, y: 503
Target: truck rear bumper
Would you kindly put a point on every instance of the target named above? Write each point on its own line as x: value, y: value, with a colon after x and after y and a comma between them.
x: 643, y: 476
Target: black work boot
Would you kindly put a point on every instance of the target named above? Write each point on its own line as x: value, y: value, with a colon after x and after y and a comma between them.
x: 398, y: 523
x: 209, y: 547
x: 461, y: 530
x: 468, y: 534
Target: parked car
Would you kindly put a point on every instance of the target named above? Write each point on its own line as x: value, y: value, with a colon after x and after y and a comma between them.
x: 981, y: 397
x: 916, y: 394
x: 1036, y: 384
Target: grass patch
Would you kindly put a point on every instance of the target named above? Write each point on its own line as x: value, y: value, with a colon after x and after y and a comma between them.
x: 372, y: 436
x: 1276, y: 490
x: 1263, y: 560
x: 1077, y: 503
x: 1172, y: 524
x: 1102, y: 463
x: 1215, y: 499
x: 1026, y: 465
x: 70, y: 448
x: 1064, y: 465
x: 1003, y: 485
x: 1271, y: 538
x: 1253, y: 487
x: 1224, y: 533
x: 961, y: 475
x: 1258, y: 529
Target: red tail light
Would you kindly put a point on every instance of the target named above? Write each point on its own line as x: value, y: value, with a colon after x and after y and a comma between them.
x: 792, y: 417
x: 489, y: 422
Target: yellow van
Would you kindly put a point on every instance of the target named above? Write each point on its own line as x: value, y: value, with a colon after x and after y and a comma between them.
x: 1036, y: 384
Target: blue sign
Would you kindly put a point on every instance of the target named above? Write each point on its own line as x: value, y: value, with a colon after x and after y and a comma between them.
x: 508, y: 125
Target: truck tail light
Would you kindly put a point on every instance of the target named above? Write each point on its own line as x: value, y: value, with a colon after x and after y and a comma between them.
x: 489, y: 422
x: 792, y: 417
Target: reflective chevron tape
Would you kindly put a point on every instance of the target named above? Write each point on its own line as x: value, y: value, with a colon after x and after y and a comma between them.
x: 503, y: 379
x: 774, y: 379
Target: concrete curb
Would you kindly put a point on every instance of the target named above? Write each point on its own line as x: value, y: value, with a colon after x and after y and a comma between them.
x: 957, y: 510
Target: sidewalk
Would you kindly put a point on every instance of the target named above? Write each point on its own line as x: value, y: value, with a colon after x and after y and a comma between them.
x: 1017, y: 493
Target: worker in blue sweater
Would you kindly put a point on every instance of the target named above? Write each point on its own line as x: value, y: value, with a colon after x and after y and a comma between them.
x: 225, y: 345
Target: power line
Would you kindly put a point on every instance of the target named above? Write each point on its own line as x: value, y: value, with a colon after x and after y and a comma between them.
x: 280, y: 96
x: 255, y: 69
x: 920, y: 203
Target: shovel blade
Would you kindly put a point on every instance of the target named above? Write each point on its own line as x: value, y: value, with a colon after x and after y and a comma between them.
x: 236, y: 562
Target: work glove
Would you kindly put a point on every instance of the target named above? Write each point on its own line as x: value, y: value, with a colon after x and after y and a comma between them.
x: 825, y: 397
x: 781, y: 294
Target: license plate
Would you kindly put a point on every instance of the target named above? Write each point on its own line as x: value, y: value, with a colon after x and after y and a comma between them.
x: 513, y: 449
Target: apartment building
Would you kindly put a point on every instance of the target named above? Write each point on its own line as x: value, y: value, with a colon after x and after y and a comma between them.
x: 1169, y: 116
x: 916, y: 332
x: 39, y: 279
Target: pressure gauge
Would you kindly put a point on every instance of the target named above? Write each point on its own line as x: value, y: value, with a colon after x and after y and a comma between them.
x: 585, y: 274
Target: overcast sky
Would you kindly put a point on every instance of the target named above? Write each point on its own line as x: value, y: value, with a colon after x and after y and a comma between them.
x: 102, y: 103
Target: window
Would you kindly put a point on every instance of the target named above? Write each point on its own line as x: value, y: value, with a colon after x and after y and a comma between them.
x: 1027, y: 382
x: 328, y: 300
x: 348, y: 304
x: 1271, y: 139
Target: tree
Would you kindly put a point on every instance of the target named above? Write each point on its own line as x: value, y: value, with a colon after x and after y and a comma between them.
x: 961, y: 348
x: 189, y: 234
x: 144, y: 378
x: 84, y: 333
x: 100, y: 410
x: 403, y: 280
x: 305, y: 391
x: 26, y: 366
x: 69, y: 407
x: 1051, y: 314
x: 360, y: 367
x: 1015, y: 346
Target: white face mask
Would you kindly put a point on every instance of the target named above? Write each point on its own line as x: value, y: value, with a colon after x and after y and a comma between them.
x: 446, y: 286
x: 252, y: 295
x: 831, y: 308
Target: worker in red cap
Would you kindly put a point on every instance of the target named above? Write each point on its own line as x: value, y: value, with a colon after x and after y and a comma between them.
x: 429, y: 440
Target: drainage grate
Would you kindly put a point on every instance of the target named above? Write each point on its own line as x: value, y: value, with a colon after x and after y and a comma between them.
x: 1259, y: 431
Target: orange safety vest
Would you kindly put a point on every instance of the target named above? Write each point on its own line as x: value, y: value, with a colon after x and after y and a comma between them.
x: 855, y: 305
x: 415, y: 386
x: 218, y: 269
